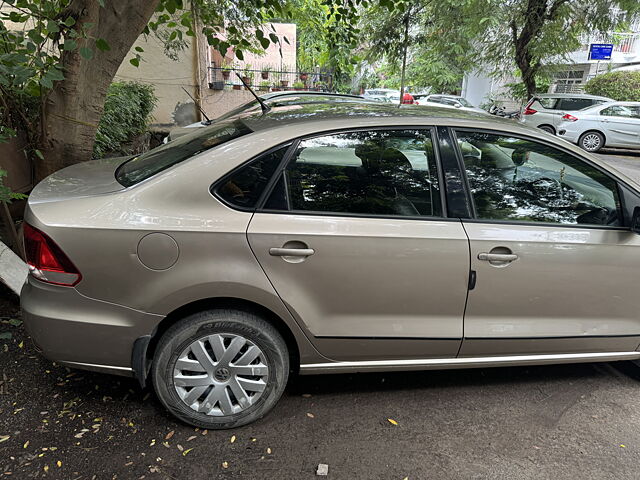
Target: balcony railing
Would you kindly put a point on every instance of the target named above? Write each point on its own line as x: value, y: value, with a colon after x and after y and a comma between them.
x: 268, y: 80
x: 622, y: 42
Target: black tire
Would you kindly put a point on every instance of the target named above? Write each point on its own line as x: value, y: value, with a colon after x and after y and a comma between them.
x: 591, y: 141
x: 548, y: 129
x: 199, y: 325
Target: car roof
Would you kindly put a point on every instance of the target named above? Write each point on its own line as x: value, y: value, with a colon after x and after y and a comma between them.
x: 362, y: 114
x: 569, y: 95
x: 381, y: 90
x: 271, y: 95
x: 612, y: 104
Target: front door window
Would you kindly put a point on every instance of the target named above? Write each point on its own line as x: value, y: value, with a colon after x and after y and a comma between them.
x: 525, y: 181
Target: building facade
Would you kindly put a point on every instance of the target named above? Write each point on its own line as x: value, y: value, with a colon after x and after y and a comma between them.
x: 480, y: 88
x: 185, y: 84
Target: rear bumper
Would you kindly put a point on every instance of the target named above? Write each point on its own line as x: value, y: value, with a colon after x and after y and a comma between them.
x: 83, y: 332
x: 567, y: 133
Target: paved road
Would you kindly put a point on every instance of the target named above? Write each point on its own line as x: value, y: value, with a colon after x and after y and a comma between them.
x: 627, y: 161
x: 555, y: 422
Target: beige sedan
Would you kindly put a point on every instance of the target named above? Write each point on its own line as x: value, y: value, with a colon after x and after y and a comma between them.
x: 331, y: 238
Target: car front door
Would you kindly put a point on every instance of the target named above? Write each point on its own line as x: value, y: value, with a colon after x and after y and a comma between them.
x: 354, y: 239
x: 556, y: 270
x: 620, y: 125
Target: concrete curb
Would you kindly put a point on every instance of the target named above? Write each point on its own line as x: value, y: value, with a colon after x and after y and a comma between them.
x: 13, y: 271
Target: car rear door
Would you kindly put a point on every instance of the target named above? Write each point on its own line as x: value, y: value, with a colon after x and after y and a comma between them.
x: 620, y: 125
x: 353, y: 237
x: 556, y: 271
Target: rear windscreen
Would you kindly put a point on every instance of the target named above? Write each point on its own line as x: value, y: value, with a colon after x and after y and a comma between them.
x: 154, y: 161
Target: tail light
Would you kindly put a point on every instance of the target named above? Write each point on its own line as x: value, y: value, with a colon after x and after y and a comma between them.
x: 47, y: 262
x: 569, y: 118
x: 529, y: 111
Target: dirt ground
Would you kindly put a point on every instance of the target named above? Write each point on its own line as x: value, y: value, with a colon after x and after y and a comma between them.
x: 560, y: 422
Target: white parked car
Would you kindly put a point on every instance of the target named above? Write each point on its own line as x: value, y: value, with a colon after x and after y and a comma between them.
x: 612, y: 124
x: 386, y: 95
x: 454, y: 101
x: 545, y: 111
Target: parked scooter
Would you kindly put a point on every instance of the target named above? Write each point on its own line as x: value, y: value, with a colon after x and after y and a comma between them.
x: 500, y: 112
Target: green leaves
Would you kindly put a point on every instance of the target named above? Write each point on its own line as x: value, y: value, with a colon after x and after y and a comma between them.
x: 621, y: 86
x: 102, y: 45
x: 70, y: 44
x: 86, y: 53
x: 126, y: 113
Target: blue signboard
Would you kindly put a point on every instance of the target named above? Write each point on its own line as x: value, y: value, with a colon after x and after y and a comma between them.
x: 600, y: 51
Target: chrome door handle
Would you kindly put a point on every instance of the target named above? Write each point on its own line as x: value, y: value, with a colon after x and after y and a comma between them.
x: 291, y: 252
x: 498, y: 257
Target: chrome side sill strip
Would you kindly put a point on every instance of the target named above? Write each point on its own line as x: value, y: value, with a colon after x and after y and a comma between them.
x: 465, y: 362
x: 116, y: 370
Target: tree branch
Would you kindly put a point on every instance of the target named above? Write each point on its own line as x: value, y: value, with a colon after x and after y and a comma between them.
x: 553, y: 11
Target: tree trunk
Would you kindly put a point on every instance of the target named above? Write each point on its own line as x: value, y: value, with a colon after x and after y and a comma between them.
x: 536, y: 14
x: 404, y: 55
x: 528, y: 71
x: 74, y: 106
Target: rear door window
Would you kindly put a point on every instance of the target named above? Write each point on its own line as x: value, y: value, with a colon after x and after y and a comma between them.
x: 545, y: 102
x: 391, y: 173
x: 621, y: 111
x: 573, y: 103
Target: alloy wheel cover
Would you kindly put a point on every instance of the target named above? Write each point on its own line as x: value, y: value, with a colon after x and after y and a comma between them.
x: 220, y: 374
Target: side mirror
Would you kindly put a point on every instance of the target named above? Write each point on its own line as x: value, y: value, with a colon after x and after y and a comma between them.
x: 635, y: 220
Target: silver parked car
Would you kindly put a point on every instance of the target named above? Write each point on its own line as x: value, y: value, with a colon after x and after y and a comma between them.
x: 545, y: 111
x: 614, y: 124
x: 331, y: 238
x: 454, y: 101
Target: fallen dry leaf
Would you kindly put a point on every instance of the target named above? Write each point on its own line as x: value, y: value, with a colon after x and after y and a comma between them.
x: 4, y: 438
x: 269, y: 450
x: 310, y: 415
x: 192, y: 437
x: 225, y: 464
x: 169, y: 435
x: 186, y: 451
x: 233, y: 438
x: 392, y: 421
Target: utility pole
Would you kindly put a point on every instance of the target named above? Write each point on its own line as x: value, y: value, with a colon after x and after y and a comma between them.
x: 404, y: 54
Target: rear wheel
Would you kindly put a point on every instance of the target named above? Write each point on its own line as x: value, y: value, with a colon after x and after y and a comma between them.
x: 220, y: 369
x: 548, y: 129
x: 591, y: 141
